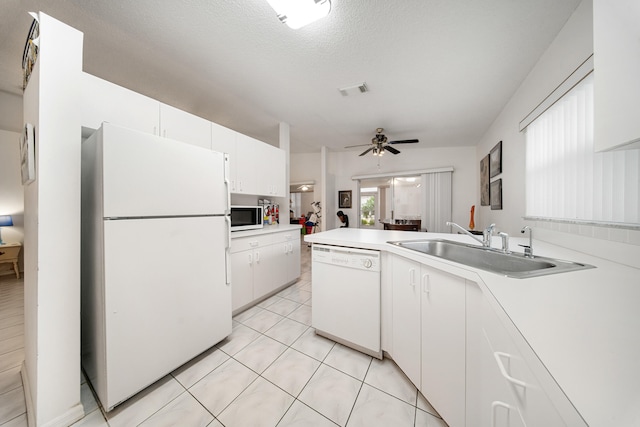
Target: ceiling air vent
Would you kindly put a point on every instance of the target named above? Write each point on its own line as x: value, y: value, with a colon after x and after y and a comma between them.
x: 359, y: 88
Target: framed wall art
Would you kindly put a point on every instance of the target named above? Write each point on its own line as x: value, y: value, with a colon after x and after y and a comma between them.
x: 496, y: 194
x: 495, y: 160
x: 344, y: 199
x: 484, y: 181
x: 27, y: 154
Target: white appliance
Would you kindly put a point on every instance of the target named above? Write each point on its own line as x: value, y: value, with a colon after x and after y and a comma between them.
x: 155, y: 251
x: 346, y: 296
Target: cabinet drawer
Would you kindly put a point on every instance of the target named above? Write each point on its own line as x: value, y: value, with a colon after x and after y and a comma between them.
x: 286, y: 236
x: 250, y: 242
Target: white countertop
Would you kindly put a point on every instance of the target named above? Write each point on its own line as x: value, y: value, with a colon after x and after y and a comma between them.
x: 267, y: 229
x: 583, y: 325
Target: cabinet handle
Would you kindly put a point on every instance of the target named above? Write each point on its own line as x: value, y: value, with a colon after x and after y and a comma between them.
x: 412, y: 277
x: 257, y: 256
x: 253, y: 244
x: 290, y: 247
x: 250, y: 259
x: 494, y: 405
x: 426, y: 284
x: 498, y: 356
x: 286, y: 249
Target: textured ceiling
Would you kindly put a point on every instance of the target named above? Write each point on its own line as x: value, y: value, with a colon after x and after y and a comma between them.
x: 437, y: 70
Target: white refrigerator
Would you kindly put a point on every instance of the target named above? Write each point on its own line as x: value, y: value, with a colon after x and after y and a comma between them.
x: 155, y: 258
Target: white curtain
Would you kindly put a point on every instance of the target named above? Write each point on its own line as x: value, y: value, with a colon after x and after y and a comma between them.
x: 566, y: 179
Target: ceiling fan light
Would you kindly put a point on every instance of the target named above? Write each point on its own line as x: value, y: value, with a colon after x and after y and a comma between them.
x: 298, y: 13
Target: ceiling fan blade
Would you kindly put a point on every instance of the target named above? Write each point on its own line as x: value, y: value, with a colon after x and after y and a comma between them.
x: 366, y: 151
x: 359, y: 145
x: 404, y: 141
x: 391, y: 150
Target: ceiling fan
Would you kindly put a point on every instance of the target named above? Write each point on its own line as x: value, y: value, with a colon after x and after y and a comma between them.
x: 380, y: 144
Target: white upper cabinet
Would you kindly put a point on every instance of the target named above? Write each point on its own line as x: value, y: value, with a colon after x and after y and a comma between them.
x: 103, y: 101
x: 616, y: 43
x: 182, y: 126
x: 223, y: 140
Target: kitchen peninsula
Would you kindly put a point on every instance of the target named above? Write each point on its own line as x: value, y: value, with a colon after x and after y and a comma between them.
x: 576, y: 332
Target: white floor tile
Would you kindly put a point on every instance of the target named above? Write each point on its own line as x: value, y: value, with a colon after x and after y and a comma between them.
x: 219, y: 388
x: 331, y: 393
x: 141, y: 406
x: 262, y: 404
x: 424, y: 419
x: 300, y: 415
x: 263, y: 320
x: 20, y: 421
x: 247, y: 314
x: 313, y: 345
x: 185, y: 410
x: 349, y: 361
x: 283, y: 307
x: 260, y: 354
x: 286, y: 331
x: 87, y: 398
x: 375, y: 408
x: 291, y: 371
x: 426, y: 406
x: 302, y: 314
x: 193, y: 371
x: 92, y: 419
x: 241, y: 336
x: 386, y: 376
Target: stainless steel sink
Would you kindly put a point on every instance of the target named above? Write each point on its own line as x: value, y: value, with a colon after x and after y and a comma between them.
x: 493, y: 260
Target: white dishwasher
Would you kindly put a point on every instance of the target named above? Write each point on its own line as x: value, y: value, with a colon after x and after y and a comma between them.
x: 346, y: 296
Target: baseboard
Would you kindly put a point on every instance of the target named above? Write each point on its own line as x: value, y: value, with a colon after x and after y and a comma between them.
x: 27, y: 395
x: 73, y: 414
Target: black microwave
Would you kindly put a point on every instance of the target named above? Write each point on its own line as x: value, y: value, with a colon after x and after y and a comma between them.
x: 246, y: 217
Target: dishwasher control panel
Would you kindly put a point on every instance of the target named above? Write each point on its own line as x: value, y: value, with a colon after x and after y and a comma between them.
x: 347, y: 257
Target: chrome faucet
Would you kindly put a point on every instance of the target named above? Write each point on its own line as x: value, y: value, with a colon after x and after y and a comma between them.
x: 505, y: 242
x: 528, y: 250
x: 486, y: 234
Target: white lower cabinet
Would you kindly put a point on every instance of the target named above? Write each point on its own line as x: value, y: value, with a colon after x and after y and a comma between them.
x: 429, y: 334
x: 507, y: 385
x: 262, y: 264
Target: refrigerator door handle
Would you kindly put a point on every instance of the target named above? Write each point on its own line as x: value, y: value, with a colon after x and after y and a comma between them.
x: 227, y: 251
x: 227, y: 184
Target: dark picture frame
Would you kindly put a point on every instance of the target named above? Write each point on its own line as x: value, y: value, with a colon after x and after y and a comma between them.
x: 484, y: 181
x: 496, y: 194
x: 495, y: 160
x: 344, y: 199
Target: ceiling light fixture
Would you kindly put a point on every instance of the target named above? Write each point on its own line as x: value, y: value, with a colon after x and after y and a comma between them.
x: 298, y: 13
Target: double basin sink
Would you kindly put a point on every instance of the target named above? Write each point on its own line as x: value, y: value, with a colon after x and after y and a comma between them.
x: 507, y: 264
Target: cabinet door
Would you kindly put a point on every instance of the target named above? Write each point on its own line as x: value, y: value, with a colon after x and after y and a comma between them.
x: 272, y: 170
x: 223, y: 140
x: 103, y: 101
x: 616, y: 42
x: 406, y: 316
x: 489, y: 402
x: 182, y: 126
x: 248, y: 164
x: 241, y: 279
x: 294, y: 257
x: 443, y: 343
x: 531, y: 401
x: 263, y: 265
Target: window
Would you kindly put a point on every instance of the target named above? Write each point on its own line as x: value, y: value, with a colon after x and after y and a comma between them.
x: 566, y: 179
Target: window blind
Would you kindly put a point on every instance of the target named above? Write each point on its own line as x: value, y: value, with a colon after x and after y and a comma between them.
x: 566, y: 179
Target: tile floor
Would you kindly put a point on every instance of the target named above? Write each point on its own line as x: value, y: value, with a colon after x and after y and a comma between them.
x: 273, y: 370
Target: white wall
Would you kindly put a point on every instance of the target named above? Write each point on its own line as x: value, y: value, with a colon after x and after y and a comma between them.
x: 52, y: 231
x: 11, y: 192
x: 10, y: 111
x: 571, y: 47
x: 342, y: 166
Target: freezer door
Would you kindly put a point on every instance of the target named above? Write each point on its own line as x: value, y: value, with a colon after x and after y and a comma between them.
x: 146, y: 175
x: 166, y: 297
